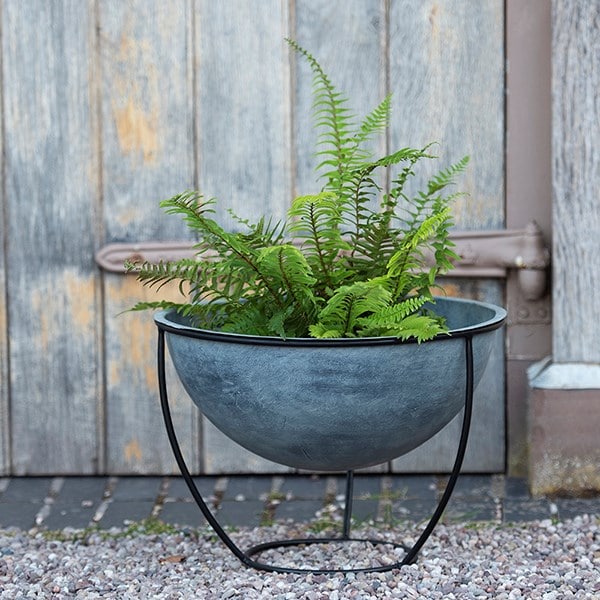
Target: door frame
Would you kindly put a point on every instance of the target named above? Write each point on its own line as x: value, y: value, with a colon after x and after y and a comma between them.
x: 528, y: 185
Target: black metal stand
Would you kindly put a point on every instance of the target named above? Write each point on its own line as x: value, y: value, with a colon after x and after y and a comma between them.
x: 246, y: 556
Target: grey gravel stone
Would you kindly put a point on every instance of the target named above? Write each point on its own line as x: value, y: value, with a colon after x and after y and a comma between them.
x: 542, y: 560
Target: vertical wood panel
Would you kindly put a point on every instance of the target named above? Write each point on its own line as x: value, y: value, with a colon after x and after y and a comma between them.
x: 147, y: 138
x: 243, y: 137
x: 347, y: 37
x: 4, y: 374
x: 243, y: 106
x: 576, y: 180
x: 51, y: 191
x: 447, y: 76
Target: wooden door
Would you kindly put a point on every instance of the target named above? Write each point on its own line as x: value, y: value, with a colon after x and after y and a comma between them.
x: 109, y: 107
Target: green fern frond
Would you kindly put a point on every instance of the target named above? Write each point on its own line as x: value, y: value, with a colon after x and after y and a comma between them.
x: 314, y: 221
x: 290, y: 272
x: 349, y: 303
x: 159, y: 274
x: 391, y: 315
x: 348, y: 261
x: 159, y: 305
x: 420, y: 327
x: 446, y: 176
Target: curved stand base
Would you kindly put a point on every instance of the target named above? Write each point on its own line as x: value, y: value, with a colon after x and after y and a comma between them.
x: 246, y: 556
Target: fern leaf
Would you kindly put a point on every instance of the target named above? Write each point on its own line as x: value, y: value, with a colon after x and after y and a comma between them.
x: 446, y: 176
x: 420, y: 327
x: 392, y: 315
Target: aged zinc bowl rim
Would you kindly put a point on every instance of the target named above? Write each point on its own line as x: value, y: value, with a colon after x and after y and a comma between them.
x: 169, y: 321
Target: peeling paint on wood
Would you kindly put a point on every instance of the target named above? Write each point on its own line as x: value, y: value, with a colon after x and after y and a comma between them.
x: 137, y: 130
x: 133, y: 452
x: 352, y: 57
x: 243, y: 91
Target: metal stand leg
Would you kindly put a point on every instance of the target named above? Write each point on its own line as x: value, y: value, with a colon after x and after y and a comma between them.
x: 348, y: 505
x: 246, y: 556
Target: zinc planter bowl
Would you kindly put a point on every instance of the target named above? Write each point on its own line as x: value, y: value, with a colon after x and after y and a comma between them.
x: 332, y: 405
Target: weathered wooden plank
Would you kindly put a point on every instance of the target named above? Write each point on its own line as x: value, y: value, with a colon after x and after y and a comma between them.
x: 347, y: 37
x: 4, y: 375
x: 136, y: 438
x: 243, y: 136
x: 575, y: 180
x: 148, y: 155
x: 447, y: 77
x: 243, y: 83
x: 446, y: 74
x: 51, y: 202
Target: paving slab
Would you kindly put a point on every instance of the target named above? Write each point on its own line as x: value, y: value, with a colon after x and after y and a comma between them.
x: 182, y: 514
x: 137, y: 488
x: 241, y: 514
x: 411, y: 509
x: 472, y: 486
x: 365, y: 510
x: 516, y: 510
x: 118, y: 514
x: 27, y: 489
x: 569, y: 508
x: 248, y: 488
x: 18, y: 514
x: 77, y: 502
x: 470, y: 512
x: 179, y: 491
x: 299, y: 511
x: 22, y: 499
x: 516, y: 487
x: 366, y: 487
x: 304, y: 487
x: 423, y: 487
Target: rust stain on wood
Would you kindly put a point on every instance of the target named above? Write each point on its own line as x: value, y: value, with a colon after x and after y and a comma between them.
x: 133, y: 451
x: 135, y: 332
x: 114, y: 372
x: 450, y: 289
x: 135, y: 97
x: 71, y: 304
x: 137, y: 131
x: 80, y: 295
x: 433, y: 18
x: 128, y: 216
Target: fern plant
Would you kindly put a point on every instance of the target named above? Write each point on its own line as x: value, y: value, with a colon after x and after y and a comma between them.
x: 348, y: 261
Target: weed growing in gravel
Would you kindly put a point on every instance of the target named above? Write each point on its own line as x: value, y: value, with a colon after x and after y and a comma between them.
x: 151, y: 526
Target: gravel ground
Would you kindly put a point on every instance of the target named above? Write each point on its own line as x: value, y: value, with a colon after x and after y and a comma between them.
x: 541, y: 559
